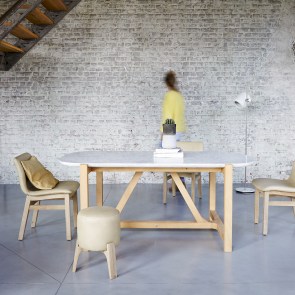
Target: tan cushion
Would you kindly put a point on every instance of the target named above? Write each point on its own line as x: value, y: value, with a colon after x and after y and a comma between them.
x: 38, y: 175
x: 63, y: 187
x: 268, y: 184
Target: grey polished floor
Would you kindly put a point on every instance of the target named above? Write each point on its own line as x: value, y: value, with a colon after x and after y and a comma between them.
x: 149, y: 261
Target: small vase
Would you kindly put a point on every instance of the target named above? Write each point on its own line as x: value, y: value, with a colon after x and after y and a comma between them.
x: 169, y: 136
x: 169, y: 141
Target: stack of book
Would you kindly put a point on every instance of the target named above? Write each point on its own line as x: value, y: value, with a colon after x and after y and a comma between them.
x: 168, y: 153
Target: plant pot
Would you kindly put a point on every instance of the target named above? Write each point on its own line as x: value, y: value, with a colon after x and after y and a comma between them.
x: 169, y: 129
x: 169, y: 141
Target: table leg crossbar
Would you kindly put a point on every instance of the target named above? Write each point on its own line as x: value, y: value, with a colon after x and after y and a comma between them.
x: 198, y: 223
x: 127, y: 194
x: 224, y: 228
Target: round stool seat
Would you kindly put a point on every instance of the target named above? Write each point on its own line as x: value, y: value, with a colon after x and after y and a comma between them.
x: 97, y: 227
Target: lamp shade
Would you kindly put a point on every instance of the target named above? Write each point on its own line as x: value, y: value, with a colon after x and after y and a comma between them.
x: 243, y: 100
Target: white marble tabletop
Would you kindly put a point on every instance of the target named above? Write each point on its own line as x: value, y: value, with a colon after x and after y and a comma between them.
x: 205, y: 159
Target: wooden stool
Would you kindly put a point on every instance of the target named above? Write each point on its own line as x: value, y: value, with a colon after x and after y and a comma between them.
x: 99, y: 230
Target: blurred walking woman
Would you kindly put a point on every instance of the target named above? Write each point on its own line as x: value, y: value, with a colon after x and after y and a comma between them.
x: 173, y: 105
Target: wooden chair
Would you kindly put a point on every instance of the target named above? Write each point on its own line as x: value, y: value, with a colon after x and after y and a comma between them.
x: 186, y: 146
x: 65, y: 190
x: 266, y: 188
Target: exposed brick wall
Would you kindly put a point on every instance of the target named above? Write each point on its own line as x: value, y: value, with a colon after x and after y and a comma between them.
x: 95, y: 82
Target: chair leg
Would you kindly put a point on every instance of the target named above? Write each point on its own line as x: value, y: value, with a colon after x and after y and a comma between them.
x: 75, y: 209
x: 110, y: 254
x: 200, y: 186
x: 24, y: 219
x: 78, y: 251
x: 173, y: 188
x: 35, y: 215
x: 256, y: 206
x: 265, y: 213
x: 193, y: 187
x: 293, y: 200
x: 165, y: 188
x: 68, y: 220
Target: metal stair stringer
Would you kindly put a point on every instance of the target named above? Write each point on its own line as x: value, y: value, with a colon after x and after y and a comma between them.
x: 43, y: 15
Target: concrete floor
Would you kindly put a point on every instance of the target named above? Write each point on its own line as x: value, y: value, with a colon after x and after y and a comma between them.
x: 149, y: 261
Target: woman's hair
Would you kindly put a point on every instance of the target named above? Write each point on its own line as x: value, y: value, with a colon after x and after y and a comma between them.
x: 170, y: 80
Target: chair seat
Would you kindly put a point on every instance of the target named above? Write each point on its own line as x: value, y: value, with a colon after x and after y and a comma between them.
x: 267, y: 184
x: 63, y: 187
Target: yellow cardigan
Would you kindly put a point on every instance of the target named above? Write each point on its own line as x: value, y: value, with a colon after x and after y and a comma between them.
x: 173, y: 108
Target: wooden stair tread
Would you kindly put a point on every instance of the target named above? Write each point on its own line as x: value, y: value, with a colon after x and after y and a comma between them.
x: 42, y: 14
x: 54, y: 5
x: 7, y: 47
x: 37, y: 17
x: 22, y: 32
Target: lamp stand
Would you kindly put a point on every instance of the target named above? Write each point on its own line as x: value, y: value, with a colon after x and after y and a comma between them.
x: 244, y: 189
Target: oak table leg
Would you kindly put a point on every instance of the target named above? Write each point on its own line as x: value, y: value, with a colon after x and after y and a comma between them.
x: 228, y: 207
x: 212, y: 192
x: 84, y: 186
x: 187, y: 198
x: 127, y: 194
x: 99, y: 188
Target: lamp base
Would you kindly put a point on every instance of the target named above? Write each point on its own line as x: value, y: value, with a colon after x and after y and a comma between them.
x: 245, y: 190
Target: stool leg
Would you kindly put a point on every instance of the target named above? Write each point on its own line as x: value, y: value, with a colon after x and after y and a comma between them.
x: 110, y: 254
x: 77, y: 253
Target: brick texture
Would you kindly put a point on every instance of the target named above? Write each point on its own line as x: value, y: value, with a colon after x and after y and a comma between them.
x: 95, y: 82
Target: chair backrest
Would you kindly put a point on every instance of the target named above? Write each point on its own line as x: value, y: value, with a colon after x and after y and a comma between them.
x: 190, y: 146
x: 23, y: 180
x: 291, y: 179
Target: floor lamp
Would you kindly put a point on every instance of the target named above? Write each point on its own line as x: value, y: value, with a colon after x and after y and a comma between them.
x: 242, y: 102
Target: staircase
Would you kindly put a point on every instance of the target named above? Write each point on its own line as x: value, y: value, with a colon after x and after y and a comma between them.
x: 28, y: 21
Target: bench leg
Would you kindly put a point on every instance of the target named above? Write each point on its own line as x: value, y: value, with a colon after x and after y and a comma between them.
x: 256, y: 206
x: 193, y: 187
x: 165, y: 188
x: 265, y: 213
x: 200, y: 186
x: 173, y: 188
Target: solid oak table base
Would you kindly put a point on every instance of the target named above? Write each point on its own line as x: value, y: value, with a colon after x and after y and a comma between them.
x: 214, y: 222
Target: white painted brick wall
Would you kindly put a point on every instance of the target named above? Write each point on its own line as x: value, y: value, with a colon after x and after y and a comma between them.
x: 95, y: 82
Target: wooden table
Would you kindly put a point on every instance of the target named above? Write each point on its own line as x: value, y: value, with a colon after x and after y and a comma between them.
x: 139, y: 162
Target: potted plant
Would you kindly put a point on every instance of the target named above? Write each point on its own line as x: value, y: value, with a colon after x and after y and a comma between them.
x: 169, y: 134
x: 169, y: 127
